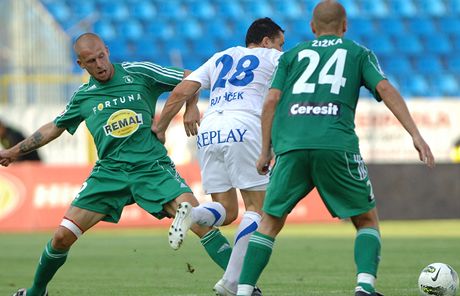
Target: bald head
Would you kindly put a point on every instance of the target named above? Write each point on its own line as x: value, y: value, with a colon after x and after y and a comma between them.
x: 329, y: 17
x: 87, y: 41
x: 93, y: 56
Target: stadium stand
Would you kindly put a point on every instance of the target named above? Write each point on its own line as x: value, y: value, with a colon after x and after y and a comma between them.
x: 417, y: 41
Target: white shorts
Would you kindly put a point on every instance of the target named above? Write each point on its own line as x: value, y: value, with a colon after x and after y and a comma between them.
x: 229, y: 145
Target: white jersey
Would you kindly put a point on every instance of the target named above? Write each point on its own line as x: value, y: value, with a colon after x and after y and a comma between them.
x: 229, y: 136
x: 238, y: 78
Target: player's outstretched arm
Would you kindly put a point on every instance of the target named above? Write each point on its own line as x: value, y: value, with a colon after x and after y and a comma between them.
x: 181, y: 93
x: 41, y: 137
x: 394, y: 101
x: 268, y: 112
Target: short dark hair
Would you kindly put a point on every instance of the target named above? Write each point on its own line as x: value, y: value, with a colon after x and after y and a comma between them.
x: 260, y: 28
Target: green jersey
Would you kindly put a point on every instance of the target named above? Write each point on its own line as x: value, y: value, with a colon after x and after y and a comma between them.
x: 119, y: 113
x: 320, y: 82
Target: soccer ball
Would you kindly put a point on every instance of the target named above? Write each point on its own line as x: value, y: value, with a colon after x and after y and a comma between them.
x: 438, y: 279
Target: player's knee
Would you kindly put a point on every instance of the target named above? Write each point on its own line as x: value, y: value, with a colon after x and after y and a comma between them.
x: 66, y: 234
x: 62, y: 239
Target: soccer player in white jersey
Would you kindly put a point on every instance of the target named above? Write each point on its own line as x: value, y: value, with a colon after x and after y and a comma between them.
x: 229, y: 135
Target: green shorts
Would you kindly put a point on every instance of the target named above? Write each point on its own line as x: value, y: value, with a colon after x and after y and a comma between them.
x: 151, y: 185
x: 340, y: 177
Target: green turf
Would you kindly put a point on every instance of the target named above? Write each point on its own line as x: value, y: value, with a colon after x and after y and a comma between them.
x: 314, y: 259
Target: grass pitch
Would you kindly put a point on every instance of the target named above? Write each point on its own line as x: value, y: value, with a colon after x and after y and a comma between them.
x: 312, y: 259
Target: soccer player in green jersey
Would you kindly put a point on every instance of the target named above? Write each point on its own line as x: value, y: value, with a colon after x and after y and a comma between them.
x: 117, y: 105
x: 308, y: 117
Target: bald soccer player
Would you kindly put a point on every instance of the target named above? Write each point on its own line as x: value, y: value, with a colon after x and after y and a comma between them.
x: 308, y: 120
x: 117, y: 105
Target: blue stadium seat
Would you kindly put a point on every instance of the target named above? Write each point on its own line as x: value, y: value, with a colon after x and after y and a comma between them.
x: 446, y: 85
x: 114, y: 10
x: 450, y: 25
x: 159, y: 29
x: 118, y: 50
x: 453, y: 65
x: 299, y: 26
x: 289, y: 9
x: 234, y: 40
x: 392, y: 26
x: 422, y: 26
x: 415, y: 85
x: 396, y: 65
x: 217, y: 29
x: 172, y: 9
x: 131, y: 29
x: 374, y: 8
x: 176, y: 44
x: 437, y: 43
x: 405, y: 8
x: 456, y: 43
x: 361, y: 26
x: 189, y: 29
x: 229, y: 9
x: 409, y: 45
x: 454, y: 6
x: 352, y: 8
x: 143, y: 10
x: 308, y: 6
x: 82, y: 9
x: 257, y: 9
x: 432, y: 7
x: 380, y: 44
x: 241, y: 27
x: 162, y: 58
x: 201, y: 9
x: 428, y: 64
x: 105, y: 29
x: 146, y: 49
x: 204, y: 47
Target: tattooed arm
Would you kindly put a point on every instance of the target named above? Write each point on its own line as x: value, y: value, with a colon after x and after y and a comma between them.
x: 41, y: 137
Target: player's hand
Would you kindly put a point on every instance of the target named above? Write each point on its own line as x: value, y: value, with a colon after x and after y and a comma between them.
x: 191, y: 120
x: 263, y: 163
x: 161, y: 135
x: 424, y: 151
x: 6, y: 158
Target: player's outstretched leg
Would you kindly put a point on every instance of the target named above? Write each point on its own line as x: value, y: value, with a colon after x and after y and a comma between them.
x: 23, y: 292
x: 206, y: 214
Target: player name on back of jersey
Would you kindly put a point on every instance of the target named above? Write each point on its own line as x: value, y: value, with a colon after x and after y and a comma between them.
x: 227, y: 97
x: 326, y: 42
x: 306, y: 108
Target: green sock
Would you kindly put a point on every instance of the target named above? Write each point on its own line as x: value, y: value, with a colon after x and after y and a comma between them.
x: 218, y: 247
x: 367, y: 250
x: 49, y: 263
x: 257, y: 257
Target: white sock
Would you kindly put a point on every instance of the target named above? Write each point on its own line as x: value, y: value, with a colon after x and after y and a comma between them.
x: 366, y: 278
x: 249, y: 223
x: 245, y: 290
x: 209, y: 214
